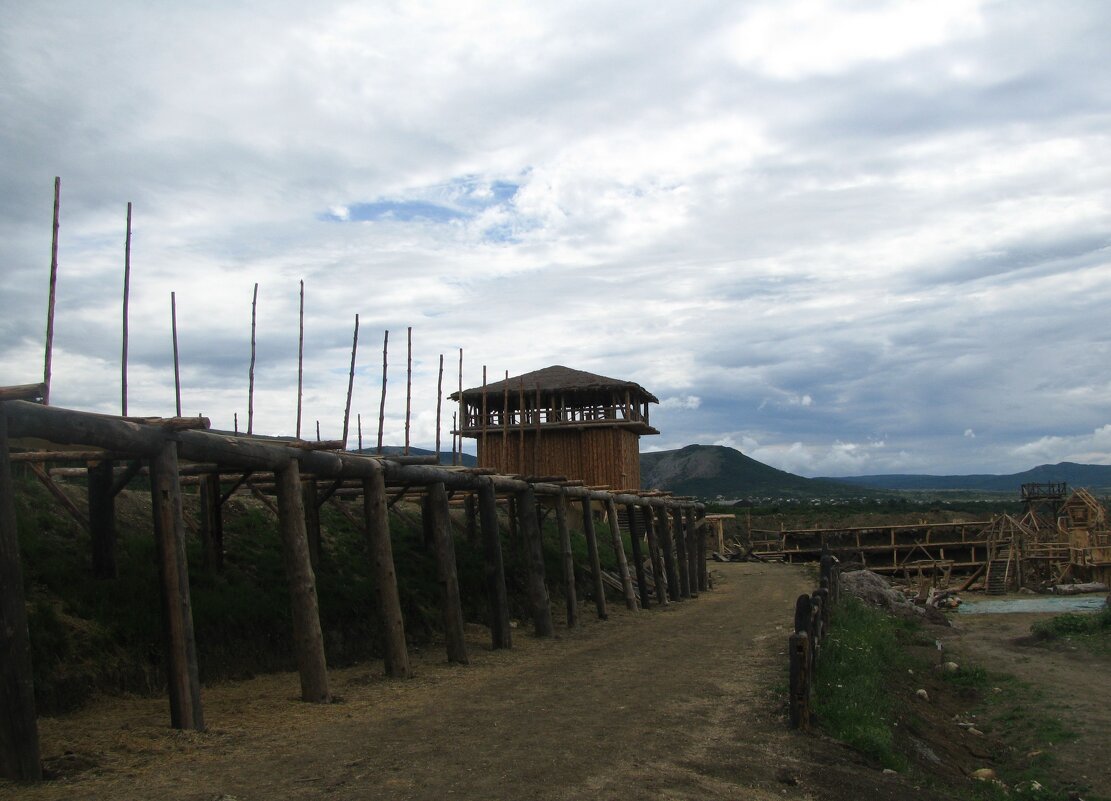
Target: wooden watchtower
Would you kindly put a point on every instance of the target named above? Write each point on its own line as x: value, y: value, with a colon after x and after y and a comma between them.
x: 559, y: 422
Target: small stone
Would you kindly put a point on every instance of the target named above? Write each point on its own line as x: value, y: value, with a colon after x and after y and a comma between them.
x: 925, y: 696
x: 974, y: 730
x: 984, y: 774
x: 890, y: 772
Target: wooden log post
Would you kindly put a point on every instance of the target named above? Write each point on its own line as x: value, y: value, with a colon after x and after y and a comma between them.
x: 308, y: 642
x: 798, y: 650
x: 663, y: 521
x: 529, y: 524
x: 619, y: 552
x: 692, y: 550
x: 451, y: 605
x: 470, y: 512
x: 19, y: 731
x: 312, y: 521
x: 568, y: 560
x: 377, y: 518
x: 500, y: 631
x: 638, y: 557
x: 595, y: 560
x: 182, y: 675
x: 682, y: 560
x: 212, y: 522
x: 659, y: 577
x: 102, y: 518
x: 703, y: 567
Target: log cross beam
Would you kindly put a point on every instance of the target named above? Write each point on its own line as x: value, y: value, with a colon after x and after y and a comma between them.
x: 123, y: 479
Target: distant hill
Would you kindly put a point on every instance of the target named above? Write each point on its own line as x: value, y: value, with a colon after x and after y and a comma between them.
x: 1091, y: 476
x: 707, y: 471
x: 445, y: 456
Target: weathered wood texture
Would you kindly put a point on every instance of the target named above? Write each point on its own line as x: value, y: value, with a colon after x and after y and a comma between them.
x: 500, y: 631
x: 692, y: 550
x: 659, y: 577
x: 595, y: 560
x: 212, y: 522
x: 663, y: 526
x: 539, y: 602
x: 377, y: 517
x: 182, y: 675
x: 308, y: 642
x: 19, y: 734
x: 102, y: 519
x: 638, y: 556
x: 619, y: 552
x: 436, y: 511
x: 567, y: 556
x: 599, y: 456
x: 679, y: 534
x: 312, y: 521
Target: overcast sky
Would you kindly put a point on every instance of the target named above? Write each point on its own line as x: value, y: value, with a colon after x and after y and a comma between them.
x: 843, y: 237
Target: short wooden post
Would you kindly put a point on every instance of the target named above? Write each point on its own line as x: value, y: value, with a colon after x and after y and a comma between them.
x: 212, y: 522
x: 182, y: 675
x: 638, y: 557
x: 568, y: 560
x: 312, y: 521
x: 659, y: 577
x: 102, y: 518
x: 308, y: 642
x: 595, y: 560
x: 802, y: 613
x: 663, y: 520
x: 798, y: 650
x: 500, y: 632
x: 19, y: 731
x: 376, y: 514
x: 529, y: 524
x: 451, y: 605
x: 680, y: 535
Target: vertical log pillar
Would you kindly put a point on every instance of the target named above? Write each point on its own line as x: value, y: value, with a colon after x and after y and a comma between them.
x: 182, y: 675
x: 312, y: 521
x: 700, y: 533
x: 663, y: 521
x: 568, y: 560
x: 595, y: 560
x: 692, y: 550
x: 529, y: 526
x: 451, y: 605
x: 376, y: 514
x: 684, y: 563
x: 307, y: 638
x: 659, y: 577
x: 212, y: 522
x: 500, y: 632
x: 470, y: 511
x: 102, y: 518
x: 19, y: 731
x: 619, y: 550
x: 638, y: 558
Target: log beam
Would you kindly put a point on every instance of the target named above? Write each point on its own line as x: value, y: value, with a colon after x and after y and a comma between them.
x: 436, y: 512
x: 529, y: 526
x: 595, y: 559
x: 377, y: 517
x: 500, y: 631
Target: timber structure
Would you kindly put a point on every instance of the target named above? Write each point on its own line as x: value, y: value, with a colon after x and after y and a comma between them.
x: 559, y: 422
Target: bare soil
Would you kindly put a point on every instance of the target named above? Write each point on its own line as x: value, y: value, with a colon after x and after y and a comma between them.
x: 680, y: 703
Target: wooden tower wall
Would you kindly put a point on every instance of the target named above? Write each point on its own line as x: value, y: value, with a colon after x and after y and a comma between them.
x: 601, y: 456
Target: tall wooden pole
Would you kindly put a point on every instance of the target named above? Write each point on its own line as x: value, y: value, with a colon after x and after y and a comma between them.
x: 377, y: 515
x: 505, y: 425
x: 451, y: 605
x: 251, y: 373
x: 521, y: 427
x: 359, y: 425
x: 300, y: 355
x: 53, y: 291
x: 350, y: 382
x: 126, y: 302
x: 659, y: 577
x: 500, y: 631
x: 19, y: 731
x: 680, y: 537
x: 619, y: 551
x: 663, y: 531
x: 484, y: 454
x: 529, y: 525
x: 177, y: 364
x: 408, y: 386
x: 439, y: 405
x: 595, y: 559
x: 382, y: 403
x: 461, y: 421
x: 568, y: 560
x: 638, y: 558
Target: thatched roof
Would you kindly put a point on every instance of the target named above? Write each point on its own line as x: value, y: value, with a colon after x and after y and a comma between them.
x: 558, y: 378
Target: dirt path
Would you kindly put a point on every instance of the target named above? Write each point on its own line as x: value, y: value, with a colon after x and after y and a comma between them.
x: 672, y: 704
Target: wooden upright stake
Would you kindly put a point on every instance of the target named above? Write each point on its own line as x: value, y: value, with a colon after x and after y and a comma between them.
x: 619, y: 551
x: 177, y: 364
x: 182, y: 674
x: 595, y: 560
x: 528, y: 522
x: 382, y: 403
x: 308, y: 642
x: 312, y: 521
x: 436, y: 509
x: 521, y: 428
x: 19, y: 731
x: 663, y: 526
x: 102, y: 518
x: 568, y: 560
x: 505, y: 425
x: 377, y: 515
x: 126, y: 301
x: 462, y: 418
x: 684, y: 564
x: 638, y: 558
x: 659, y: 577
x: 300, y: 355
x: 439, y: 404
x: 408, y: 386
x: 53, y: 290
x: 212, y: 522
x: 251, y: 372
x: 350, y: 382
x: 359, y: 426
x: 500, y: 631
x: 692, y: 550
x: 484, y: 454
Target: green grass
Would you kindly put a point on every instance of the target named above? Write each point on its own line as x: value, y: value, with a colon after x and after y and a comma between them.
x: 1090, y: 631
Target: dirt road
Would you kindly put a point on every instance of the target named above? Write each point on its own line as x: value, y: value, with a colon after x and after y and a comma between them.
x: 672, y: 704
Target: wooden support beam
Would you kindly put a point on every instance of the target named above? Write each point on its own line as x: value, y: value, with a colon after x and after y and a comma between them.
x: 691, y: 537
x: 700, y: 533
x: 619, y: 551
x: 312, y: 521
x: 235, y: 485
x: 377, y: 518
x: 638, y: 556
x: 60, y: 496
x: 659, y: 576
x: 683, y: 561
x: 212, y: 522
x: 470, y: 511
x: 500, y: 631
x: 595, y: 560
x: 182, y: 675
x: 321, y: 497
x: 568, y: 560
x: 102, y: 519
x: 529, y: 525
x: 436, y: 511
x: 269, y: 504
x: 663, y: 526
x: 26, y: 392
x: 19, y: 732
x: 308, y: 642
x: 53, y: 292
x: 123, y: 479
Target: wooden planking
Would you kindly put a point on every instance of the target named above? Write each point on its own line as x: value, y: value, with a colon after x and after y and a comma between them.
x: 599, y: 456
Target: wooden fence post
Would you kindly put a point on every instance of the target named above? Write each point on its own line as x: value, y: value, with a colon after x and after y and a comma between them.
x: 658, y: 574
x: 182, y: 675
x: 595, y: 561
x: 307, y: 638
x: 700, y: 535
x: 102, y: 518
x: 376, y: 515
x: 638, y: 557
x: 568, y: 560
x: 798, y: 649
x: 19, y: 731
x: 212, y: 522
x: 529, y: 526
x: 500, y: 631
x: 663, y: 520
x: 451, y: 605
x: 684, y: 562
x: 692, y: 550
x: 619, y: 550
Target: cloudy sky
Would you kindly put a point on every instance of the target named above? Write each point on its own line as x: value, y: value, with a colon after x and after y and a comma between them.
x: 846, y: 238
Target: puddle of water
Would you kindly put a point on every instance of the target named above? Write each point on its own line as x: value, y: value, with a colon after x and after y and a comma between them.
x: 1043, y: 603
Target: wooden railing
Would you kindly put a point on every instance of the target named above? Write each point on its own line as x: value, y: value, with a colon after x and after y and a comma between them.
x: 804, y: 646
